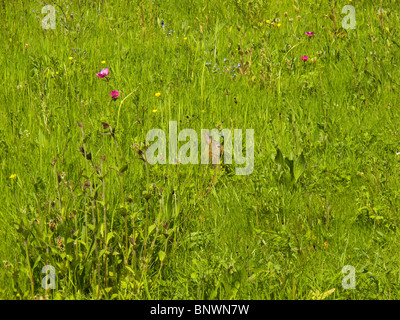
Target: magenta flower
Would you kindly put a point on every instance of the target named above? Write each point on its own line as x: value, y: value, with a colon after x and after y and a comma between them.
x: 114, y: 94
x: 304, y: 58
x: 310, y: 33
x: 103, y: 73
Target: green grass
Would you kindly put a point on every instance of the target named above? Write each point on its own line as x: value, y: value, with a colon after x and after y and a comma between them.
x: 324, y: 190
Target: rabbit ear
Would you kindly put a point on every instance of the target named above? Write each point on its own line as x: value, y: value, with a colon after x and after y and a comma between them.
x: 207, y: 137
x: 217, y: 154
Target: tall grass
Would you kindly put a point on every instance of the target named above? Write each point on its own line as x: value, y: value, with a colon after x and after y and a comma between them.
x: 323, y: 193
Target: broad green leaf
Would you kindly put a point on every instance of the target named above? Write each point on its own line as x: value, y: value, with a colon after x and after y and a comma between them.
x: 130, y: 269
x: 151, y: 228
x: 123, y: 168
x: 36, y: 262
x: 109, y: 236
x: 102, y: 252
x: 161, y: 255
x: 299, y: 167
x: 279, y: 159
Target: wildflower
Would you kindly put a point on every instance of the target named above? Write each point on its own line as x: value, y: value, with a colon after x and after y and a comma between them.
x: 319, y: 53
x: 103, y: 62
x: 52, y: 225
x: 56, y: 72
x: 71, y: 58
x: 279, y: 25
x: 285, y: 14
x: 158, y: 94
x: 267, y: 21
x: 154, y: 111
x: 298, y: 18
x: 60, y: 243
x: 304, y: 58
x: 26, y: 46
x: 310, y: 33
x: 19, y: 87
x: 225, y: 60
x: 114, y: 94
x: 162, y: 23
x: 103, y: 73
x: 13, y: 176
x: 290, y: 20
x: 185, y: 38
x: 314, y: 60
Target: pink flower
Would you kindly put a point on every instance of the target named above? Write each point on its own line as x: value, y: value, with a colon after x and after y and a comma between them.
x: 114, y: 94
x: 304, y: 58
x: 310, y: 33
x: 103, y: 73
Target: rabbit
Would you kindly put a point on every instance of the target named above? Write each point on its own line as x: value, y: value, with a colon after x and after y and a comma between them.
x: 214, y: 159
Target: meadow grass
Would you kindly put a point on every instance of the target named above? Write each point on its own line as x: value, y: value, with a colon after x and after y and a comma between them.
x: 78, y: 194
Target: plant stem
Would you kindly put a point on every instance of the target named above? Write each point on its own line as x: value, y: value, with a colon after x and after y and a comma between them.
x: 30, y: 270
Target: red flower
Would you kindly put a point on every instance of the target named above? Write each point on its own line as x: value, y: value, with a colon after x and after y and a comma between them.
x: 114, y: 94
x: 103, y: 73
